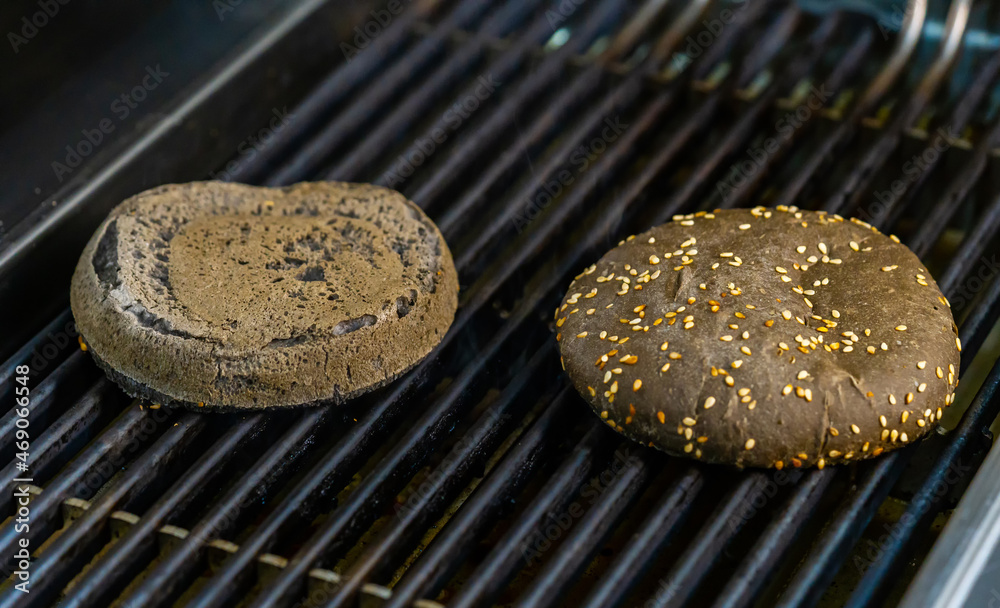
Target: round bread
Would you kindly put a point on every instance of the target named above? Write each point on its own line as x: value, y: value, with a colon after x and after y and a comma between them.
x: 232, y: 296
x: 762, y: 338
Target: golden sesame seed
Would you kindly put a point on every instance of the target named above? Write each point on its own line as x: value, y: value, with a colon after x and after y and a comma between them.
x: 665, y: 367
x: 802, y: 375
x: 854, y: 246
x: 654, y: 260
x: 730, y: 381
x: 892, y: 399
x: 636, y: 385
x: 894, y: 435
x: 607, y: 377
x: 871, y: 350
x: 900, y: 328
x: 904, y: 416
x: 604, y: 414
x: 884, y: 435
x: 743, y: 392
x: 582, y: 334
x: 835, y: 313
x: 939, y: 372
x: 958, y: 344
x: 726, y: 338
x: 745, y: 335
x: 882, y: 421
x: 614, y: 387
x: 688, y: 325
x: 592, y: 392
x: 801, y: 249
x: 855, y: 429
x: 674, y: 355
x: 787, y: 314
x: 922, y: 387
x: 745, y: 350
x: 661, y: 417
x: 709, y: 402
x: 749, y: 444
x: 780, y: 269
x: 688, y: 421
x: 809, y: 394
x: 787, y: 389
x: 921, y: 364
x: 909, y: 399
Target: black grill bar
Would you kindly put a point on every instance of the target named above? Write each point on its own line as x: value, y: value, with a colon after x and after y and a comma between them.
x: 451, y: 477
x: 850, y: 62
x: 653, y: 535
x: 454, y: 543
x: 819, y: 568
x: 862, y: 173
x: 677, y: 587
x: 165, y: 580
x: 460, y: 61
x: 752, y: 575
x: 338, y: 84
x: 108, y: 576
x: 574, y: 554
x: 108, y: 450
x: 496, y: 570
x: 363, y: 111
x: 50, y: 449
x: 79, y: 543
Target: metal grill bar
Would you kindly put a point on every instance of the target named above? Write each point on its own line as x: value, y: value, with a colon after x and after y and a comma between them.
x: 654, y: 534
x: 108, y: 576
x: 79, y: 543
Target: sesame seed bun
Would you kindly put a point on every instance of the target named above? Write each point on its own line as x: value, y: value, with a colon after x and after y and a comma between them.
x: 230, y: 296
x: 762, y: 338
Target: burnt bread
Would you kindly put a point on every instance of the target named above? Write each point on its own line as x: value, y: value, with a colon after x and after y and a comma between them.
x: 221, y: 295
x: 762, y: 338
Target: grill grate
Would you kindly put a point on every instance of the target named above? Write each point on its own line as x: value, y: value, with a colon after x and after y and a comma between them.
x: 478, y: 478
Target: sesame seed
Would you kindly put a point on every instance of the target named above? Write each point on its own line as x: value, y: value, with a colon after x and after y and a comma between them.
x: 737, y: 363
x: 787, y: 389
x: 607, y: 377
x: 892, y: 399
x: 801, y: 249
x: 749, y: 444
x: 664, y: 346
x: 871, y: 350
x: 921, y: 364
x: 939, y: 372
x: 787, y: 314
x: 822, y: 248
x: 855, y: 429
x: 835, y: 313
x: 665, y: 367
x: 900, y: 328
x: 743, y: 392
x: 904, y: 416
x: 922, y: 387
x: 688, y: 421
x: 745, y: 350
x: 958, y: 344
x: 809, y: 395
x: 882, y: 421
x: 730, y: 381
x: 802, y: 375
x: 674, y: 355
x: 709, y: 402
x: 854, y: 246
x: 744, y: 226
x: 909, y: 399
x: 903, y: 437
x: 661, y: 417
x: 614, y: 387
x: 636, y: 385
x: 780, y: 269
x: 582, y: 334
x: 726, y: 338
x: 654, y: 260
